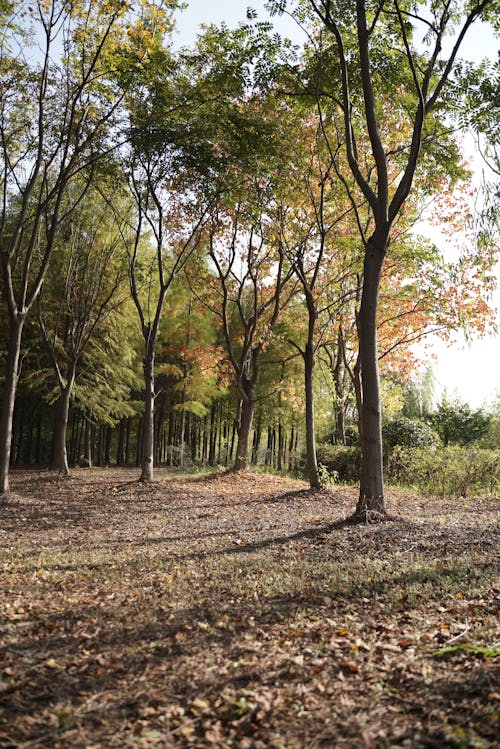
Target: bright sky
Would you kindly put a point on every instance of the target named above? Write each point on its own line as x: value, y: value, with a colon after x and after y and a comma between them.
x: 471, y: 370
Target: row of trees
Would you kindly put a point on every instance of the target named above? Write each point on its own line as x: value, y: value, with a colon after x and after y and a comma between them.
x: 219, y: 217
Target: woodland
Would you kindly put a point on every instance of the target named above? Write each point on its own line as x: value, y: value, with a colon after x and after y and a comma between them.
x: 215, y: 298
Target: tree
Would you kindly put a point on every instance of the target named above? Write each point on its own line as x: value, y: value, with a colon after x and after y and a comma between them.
x: 379, y: 64
x: 83, y: 286
x: 315, y: 234
x: 458, y: 423
x: 251, y: 274
x: 55, y: 115
x: 190, y: 120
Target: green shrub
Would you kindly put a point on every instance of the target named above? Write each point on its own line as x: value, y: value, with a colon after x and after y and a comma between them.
x: 447, y: 471
x: 457, y: 424
x: 341, y: 463
x: 408, y: 433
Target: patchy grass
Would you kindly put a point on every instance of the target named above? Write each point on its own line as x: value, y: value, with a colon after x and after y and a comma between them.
x: 240, y: 611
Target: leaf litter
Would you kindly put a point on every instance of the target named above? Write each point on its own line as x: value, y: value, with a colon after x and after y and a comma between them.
x: 240, y: 610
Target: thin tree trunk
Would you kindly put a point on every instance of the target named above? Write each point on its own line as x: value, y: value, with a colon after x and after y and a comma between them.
x: 88, y: 440
x: 60, y: 453
x: 182, y: 435
x: 148, y: 420
x: 108, y: 436
x: 204, y: 450
x: 312, y: 462
x: 120, y: 443
x: 213, y: 436
x: 291, y: 455
x: 339, y: 384
x: 371, y: 495
x: 280, y: 447
x: 29, y: 443
x: 219, y: 439
x: 8, y: 400
x: 233, y: 438
x: 73, y: 436
x: 127, y: 442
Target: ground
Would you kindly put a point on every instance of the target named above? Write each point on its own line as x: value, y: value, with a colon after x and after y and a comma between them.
x: 240, y: 611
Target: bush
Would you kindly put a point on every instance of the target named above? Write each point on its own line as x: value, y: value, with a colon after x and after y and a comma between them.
x: 342, y: 463
x: 447, y: 471
x: 458, y: 424
x: 408, y: 433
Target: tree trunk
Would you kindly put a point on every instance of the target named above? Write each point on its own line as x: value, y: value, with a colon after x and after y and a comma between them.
x: 8, y: 400
x: 148, y: 420
x: 312, y: 463
x: 256, y: 439
x: 281, y: 447
x: 88, y: 440
x: 75, y: 421
x: 127, y: 442
x: 371, y: 495
x: 120, y: 443
x: 108, y: 436
x: 339, y: 384
x: 213, y: 435
x: 244, y: 430
x: 60, y: 453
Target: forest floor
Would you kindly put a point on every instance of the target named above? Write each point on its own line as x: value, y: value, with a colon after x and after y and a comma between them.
x: 240, y: 611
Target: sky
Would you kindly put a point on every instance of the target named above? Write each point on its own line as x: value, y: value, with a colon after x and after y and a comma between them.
x: 469, y: 370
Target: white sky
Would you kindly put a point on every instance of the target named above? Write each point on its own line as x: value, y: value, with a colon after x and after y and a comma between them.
x: 470, y: 370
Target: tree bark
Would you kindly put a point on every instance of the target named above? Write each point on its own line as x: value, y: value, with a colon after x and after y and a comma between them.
x: 339, y: 384
x: 244, y: 429
x: 88, y: 440
x: 8, y: 400
x: 371, y: 495
x: 60, y: 453
x: 148, y: 420
x: 256, y: 439
x: 312, y: 463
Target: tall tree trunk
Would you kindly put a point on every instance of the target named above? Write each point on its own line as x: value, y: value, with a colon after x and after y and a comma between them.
x: 339, y: 384
x: 127, y: 442
x: 256, y: 439
x: 8, y: 400
x: 183, y: 434
x: 148, y: 420
x: 88, y: 440
x: 371, y: 495
x: 120, y: 443
x: 312, y: 462
x: 73, y: 436
x: 291, y: 449
x: 233, y: 438
x: 108, y: 436
x: 213, y: 435
x: 244, y: 429
x: 281, y: 447
x: 60, y: 453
